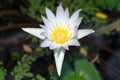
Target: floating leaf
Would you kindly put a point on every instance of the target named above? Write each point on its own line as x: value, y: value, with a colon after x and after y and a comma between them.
x: 86, y: 70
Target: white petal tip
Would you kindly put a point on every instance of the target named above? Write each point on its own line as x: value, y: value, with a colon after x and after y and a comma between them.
x: 60, y: 4
x: 80, y: 9
x: 84, y: 32
x: 81, y: 18
x: 46, y: 8
x: 92, y: 31
x: 42, y: 16
x: 35, y: 32
x: 26, y: 29
x: 23, y: 29
x: 59, y: 56
x: 59, y: 74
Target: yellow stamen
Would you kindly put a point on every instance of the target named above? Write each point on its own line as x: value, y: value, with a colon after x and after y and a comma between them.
x: 60, y: 35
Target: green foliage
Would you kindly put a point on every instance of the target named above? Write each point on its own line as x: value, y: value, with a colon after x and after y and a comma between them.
x: 15, y: 55
x: 2, y: 72
x: 84, y: 70
x: 100, y: 3
x: 88, y: 12
x: 38, y: 77
x: 39, y: 52
x: 99, y: 22
x: 108, y: 4
x: 37, y: 8
x: 22, y: 69
x: 74, y: 77
x: 118, y: 6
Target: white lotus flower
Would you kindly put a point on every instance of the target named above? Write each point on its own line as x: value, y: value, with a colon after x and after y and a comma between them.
x: 60, y: 32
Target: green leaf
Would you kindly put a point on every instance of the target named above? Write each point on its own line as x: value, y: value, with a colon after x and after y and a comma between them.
x: 86, y: 70
x: 23, y: 10
x: 2, y: 74
x: 101, y: 3
x: 74, y: 76
x: 111, y: 4
x: 118, y: 6
x: 39, y: 77
x: 16, y: 55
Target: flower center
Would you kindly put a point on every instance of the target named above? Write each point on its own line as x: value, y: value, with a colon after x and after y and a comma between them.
x: 60, y: 35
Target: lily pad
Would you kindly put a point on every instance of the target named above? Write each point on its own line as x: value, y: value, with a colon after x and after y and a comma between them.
x: 74, y: 76
x: 86, y: 70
